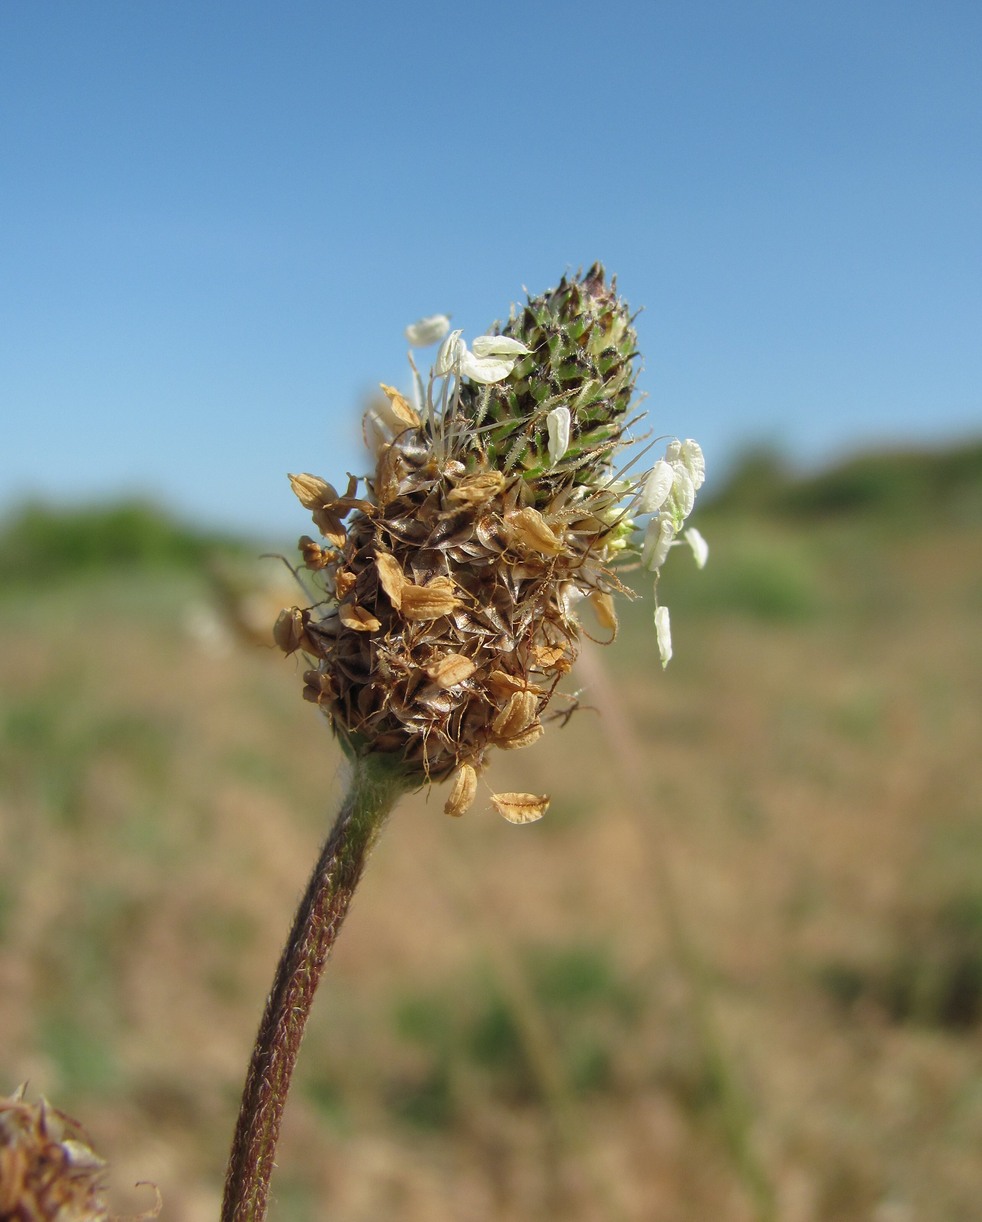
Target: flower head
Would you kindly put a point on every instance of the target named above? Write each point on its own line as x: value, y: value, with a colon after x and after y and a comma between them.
x: 496, y: 508
x: 48, y: 1169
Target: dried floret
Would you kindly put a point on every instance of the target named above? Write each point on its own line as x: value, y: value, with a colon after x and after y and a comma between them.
x: 48, y: 1169
x: 462, y: 791
x: 520, y: 807
x: 451, y: 669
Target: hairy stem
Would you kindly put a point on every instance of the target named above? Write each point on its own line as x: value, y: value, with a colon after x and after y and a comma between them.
x: 375, y: 786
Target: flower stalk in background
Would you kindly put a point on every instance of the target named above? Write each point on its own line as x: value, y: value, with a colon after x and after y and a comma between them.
x: 450, y: 590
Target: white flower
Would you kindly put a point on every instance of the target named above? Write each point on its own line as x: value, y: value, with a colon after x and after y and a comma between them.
x: 486, y: 369
x: 688, y: 454
x: 427, y: 330
x: 498, y: 345
x: 672, y: 482
x: 683, y: 493
x: 700, y: 548
x: 449, y: 356
x: 657, y: 487
x: 658, y: 539
x: 492, y: 359
x: 557, y: 422
x: 663, y: 631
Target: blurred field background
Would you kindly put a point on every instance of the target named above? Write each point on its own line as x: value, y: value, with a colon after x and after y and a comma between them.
x: 735, y: 973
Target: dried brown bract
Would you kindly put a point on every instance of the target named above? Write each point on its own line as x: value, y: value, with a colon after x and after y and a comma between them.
x: 449, y: 619
x: 48, y: 1170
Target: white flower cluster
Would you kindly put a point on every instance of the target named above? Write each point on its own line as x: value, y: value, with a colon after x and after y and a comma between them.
x: 491, y: 358
x: 668, y: 494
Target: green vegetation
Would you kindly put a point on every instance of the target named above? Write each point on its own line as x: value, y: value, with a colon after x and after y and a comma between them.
x: 50, y: 742
x: 900, y: 487
x: 931, y: 976
x: 42, y: 543
x: 579, y: 995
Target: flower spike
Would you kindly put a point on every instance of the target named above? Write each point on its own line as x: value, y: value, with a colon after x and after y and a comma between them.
x: 450, y: 587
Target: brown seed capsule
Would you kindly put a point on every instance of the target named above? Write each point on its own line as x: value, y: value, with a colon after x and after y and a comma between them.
x: 389, y: 471
x: 500, y: 683
x: 525, y: 738
x: 315, y: 557
x: 329, y: 524
x: 312, y: 491
x: 603, y: 608
x: 517, y: 716
x: 288, y: 631
x: 429, y: 601
x: 358, y: 618
x: 550, y: 657
x: 451, y: 669
x: 48, y: 1169
x: 463, y: 792
x: 520, y: 807
x: 318, y: 688
x: 477, y: 489
x: 391, y: 577
x: 400, y: 407
x: 530, y: 529
x: 344, y: 580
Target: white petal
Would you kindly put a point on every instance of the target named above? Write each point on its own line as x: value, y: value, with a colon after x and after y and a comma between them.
x: 557, y: 422
x: 663, y: 631
x: 693, y: 458
x: 657, y: 487
x: 700, y: 548
x: 658, y: 538
x: 427, y: 330
x: 450, y: 354
x: 498, y: 345
x: 683, y: 492
x: 376, y: 430
x: 688, y: 454
x: 485, y: 369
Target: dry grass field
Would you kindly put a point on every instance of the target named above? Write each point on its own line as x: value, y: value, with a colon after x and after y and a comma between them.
x: 735, y: 973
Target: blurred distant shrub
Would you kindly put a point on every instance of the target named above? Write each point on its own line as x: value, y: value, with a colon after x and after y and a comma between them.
x: 947, y: 482
x: 757, y: 570
x: 753, y: 482
x: 893, y: 485
x: 43, y: 542
x: 768, y: 579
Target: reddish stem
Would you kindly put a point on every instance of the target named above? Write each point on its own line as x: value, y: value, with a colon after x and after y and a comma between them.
x: 375, y: 787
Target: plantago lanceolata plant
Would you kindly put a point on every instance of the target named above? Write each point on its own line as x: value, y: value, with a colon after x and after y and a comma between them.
x: 450, y: 584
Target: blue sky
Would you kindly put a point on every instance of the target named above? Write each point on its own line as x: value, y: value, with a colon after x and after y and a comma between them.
x: 216, y: 220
